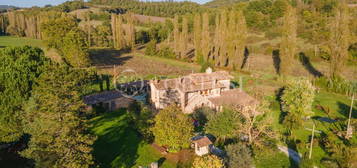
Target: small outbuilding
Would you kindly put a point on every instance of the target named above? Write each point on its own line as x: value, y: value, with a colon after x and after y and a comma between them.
x: 202, y: 145
x: 109, y: 100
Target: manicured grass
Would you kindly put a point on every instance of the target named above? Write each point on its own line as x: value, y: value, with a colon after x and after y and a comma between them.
x: 272, y: 158
x: 118, y: 145
x: 19, y: 41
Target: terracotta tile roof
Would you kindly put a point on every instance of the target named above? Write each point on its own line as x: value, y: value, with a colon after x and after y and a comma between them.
x: 101, y: 97
x: 234, y: 97
x: 202, y: 142
x: 194, y: 82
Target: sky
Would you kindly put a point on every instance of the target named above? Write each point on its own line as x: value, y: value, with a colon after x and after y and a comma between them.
x: 30, y: 3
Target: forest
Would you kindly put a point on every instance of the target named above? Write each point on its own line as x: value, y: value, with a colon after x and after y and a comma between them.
x: 298, y: 58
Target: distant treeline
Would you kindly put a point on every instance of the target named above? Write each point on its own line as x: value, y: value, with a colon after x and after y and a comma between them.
x: 164, y: 9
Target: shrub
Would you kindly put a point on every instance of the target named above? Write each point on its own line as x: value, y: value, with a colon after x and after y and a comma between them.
x: 151, y: 48
x: 336, y: 85
x: 166, y: 52
x: 239, y: 155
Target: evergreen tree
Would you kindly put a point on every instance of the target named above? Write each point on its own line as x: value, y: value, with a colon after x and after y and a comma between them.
x: 288, y: 41
x: 19, y: 68
x: 55, y: 118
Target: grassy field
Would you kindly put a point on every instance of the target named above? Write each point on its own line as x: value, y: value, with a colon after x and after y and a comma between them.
x: 118, y: 145
x: 19, y: 41
x: 11, y: 41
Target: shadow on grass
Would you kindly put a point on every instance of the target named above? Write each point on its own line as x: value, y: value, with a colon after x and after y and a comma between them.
x: 117, y: 142
x: 305, y: 61
x: 108, y: 57
x: 276, y: 60
x: 345, y: 110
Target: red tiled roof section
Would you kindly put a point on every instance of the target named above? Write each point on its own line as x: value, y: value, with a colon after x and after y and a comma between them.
x: 204, y: 141
x: 234, y: 97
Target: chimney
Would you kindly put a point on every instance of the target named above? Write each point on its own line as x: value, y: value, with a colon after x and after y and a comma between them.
x: 209, y: 70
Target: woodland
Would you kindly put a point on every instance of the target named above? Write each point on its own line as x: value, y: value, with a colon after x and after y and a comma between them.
x: 297, y: 57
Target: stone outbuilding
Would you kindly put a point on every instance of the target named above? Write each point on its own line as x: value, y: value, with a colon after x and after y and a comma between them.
x: 202, y: 145
x: 109, y: 100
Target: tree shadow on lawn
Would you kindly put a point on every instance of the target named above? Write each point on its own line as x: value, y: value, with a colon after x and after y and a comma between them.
x: 117, y: 143
x: 345, y: 110
x: 108, y: 57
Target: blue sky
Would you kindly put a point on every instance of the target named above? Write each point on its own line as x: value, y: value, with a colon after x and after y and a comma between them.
x: 29, y: 3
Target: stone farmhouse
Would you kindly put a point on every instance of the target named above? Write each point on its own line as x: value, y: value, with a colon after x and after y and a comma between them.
x: 211, y: 89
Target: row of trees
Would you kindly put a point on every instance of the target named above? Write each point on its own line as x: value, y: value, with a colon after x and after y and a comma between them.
x: 34, y: 102
x: 224, y: 47
x: 164, y: 9
x: 123, y: 34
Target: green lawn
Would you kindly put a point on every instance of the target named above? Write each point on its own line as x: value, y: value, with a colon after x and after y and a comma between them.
x: 19, y: 41
x: 118, y: 145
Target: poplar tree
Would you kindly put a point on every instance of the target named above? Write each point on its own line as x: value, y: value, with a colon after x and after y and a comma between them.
x: 217, y: 42
x: 231, y: 40
x: 241, y: 38
x: 206, y: 39
x: 176, y: 32
x: 184, y: 38
x: 118, y: 32
x: 130, y: 33
x: 339, y: 40
x: 197, y: 36
x: 223, y: 39
x: 288, y: 41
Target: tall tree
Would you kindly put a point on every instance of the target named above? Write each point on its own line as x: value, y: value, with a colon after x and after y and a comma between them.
x: 297, y: 100
x: 223, y: 125
x: 176, y: 33
x: 130, y: 33
x: 55, y: 118
x: 172, y: 128
x: 339, y: 39
x: 75, y: 48
x: 19, y: 68
x: 206, y: 37
x: 240, y: 40
x: 288, y: 41
x: 184, y: 37
x: 62, y: 33
x: 197, y: 36
x: 118, y: 31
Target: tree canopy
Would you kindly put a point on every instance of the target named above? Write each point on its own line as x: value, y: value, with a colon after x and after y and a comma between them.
x: 172, y: 128
x: 55, y: 118
x: 19, y: 69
